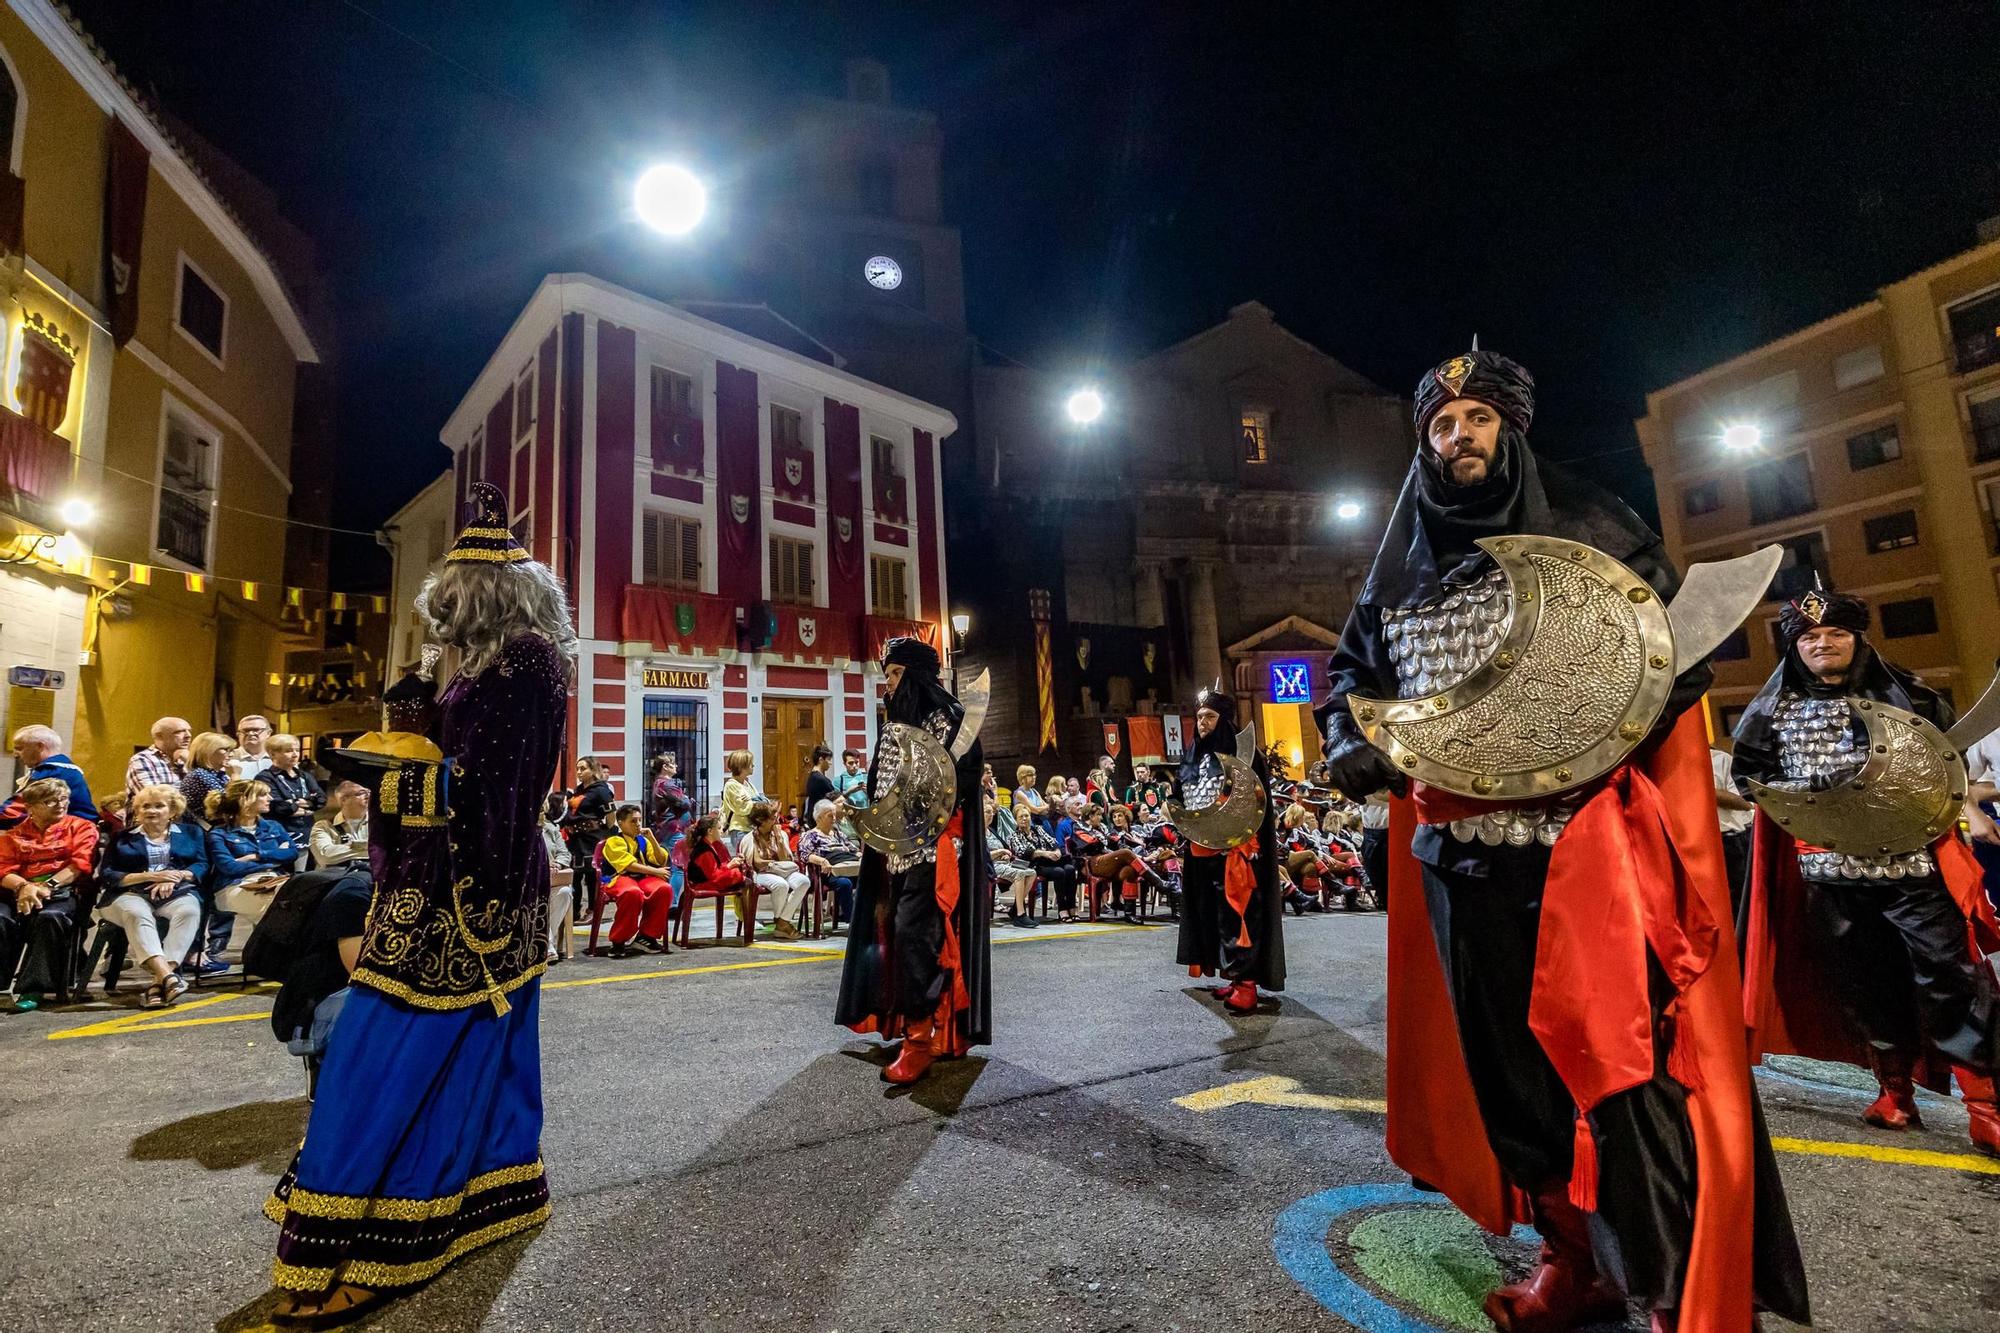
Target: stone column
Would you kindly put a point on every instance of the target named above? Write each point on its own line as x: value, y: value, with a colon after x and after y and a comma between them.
x: 1149, y: 600
x: 1204, y: 635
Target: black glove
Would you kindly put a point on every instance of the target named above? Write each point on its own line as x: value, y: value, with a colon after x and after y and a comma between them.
x: 1356, y: 767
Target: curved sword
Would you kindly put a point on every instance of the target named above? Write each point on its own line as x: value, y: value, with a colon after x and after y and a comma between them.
x: 1980, y: 720
x: 975, y: 698
x: 1715, y: 598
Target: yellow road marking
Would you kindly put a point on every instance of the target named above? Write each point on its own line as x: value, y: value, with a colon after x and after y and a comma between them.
x: 158, y: 1020
x: 1272, y: 1090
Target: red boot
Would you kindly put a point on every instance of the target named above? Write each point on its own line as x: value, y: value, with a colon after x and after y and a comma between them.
x: 1565, y: 1290
x: 1241, y: 998
x: 1896, y: 1108
x: 1978, y: 1090
x: 914, y: 1057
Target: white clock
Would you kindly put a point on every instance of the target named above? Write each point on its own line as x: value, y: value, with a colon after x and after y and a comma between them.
x: 883, y: 272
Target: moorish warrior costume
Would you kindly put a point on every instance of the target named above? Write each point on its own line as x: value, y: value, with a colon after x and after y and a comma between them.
x: 1232, y: 915
x: 1853, y: 954
x: 424, y: 1141
x: 1561, y: 969
x: 918, y: 954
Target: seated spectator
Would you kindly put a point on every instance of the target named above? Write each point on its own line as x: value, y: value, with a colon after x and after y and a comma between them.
x: 249, y: 856
x: 1029, y: 803
x: 296, y: 796
x: 207, y: 770
x: 638, y: 890
x: 328, y: 948
x: 153, y: 872
x: 38, y: 751
x: 712, y: 866
x: 343, y: 835
x: 160, y: 761
x: 1016, y: 873
x: 562, y: 878
x: 1097, y: 849
x: 1067, y: 811
x: 1051, y: 865
x: 768, y: 858
x: 837, y: 856
x: 41, y: 860
x: 111, y: 815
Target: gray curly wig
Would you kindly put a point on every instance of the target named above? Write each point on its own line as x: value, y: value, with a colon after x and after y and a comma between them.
x: 478, y: 607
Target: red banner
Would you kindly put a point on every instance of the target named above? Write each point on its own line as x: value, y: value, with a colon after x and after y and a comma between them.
x: 667, y: 618
x: 792, y: 473
x: 677, y: 439
x: 124, y: 225
x: 1111, y: 739
x: 813, y: 633
x: 880, y: 629
x: 1149, y: 739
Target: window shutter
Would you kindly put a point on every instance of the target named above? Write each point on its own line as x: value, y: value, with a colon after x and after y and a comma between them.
x: 690, y: 544
x: 649, y: 556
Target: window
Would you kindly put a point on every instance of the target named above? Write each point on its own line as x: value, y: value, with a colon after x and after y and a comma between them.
x: 1802, y: 568
x: 788, y: 428
x: 1985, y: 429
x: 1735, y: 648
x: 888, y: 587
x: 791, y: 571
x: 1255, y: 435
x: 1781, y: 488
x: 10, y: 119
x: 200, y: 311
x: 1861, y: 366
x: 1874, y: 448
x: 475, y: 457
x: 673, y: 392
x: 1975, y: 332
x: 882, y: 456
x: 671, y: 551
x: 1702, y: 497
x: 1904, y: 620
x: 1887, y: 532
x: 187, y: 490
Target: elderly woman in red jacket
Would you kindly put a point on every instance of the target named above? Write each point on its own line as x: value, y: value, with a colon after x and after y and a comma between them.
x: 41, y: 860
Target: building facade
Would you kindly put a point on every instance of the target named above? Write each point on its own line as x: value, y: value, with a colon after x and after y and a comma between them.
x: 152, y: 352
x: 741, y: 527
x: 1216, y: 523
x: 1868, y: 445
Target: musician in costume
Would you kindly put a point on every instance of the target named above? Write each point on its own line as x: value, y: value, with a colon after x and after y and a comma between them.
x: 1857, y: 953
x: 918, y: 952
x: 424, y: 1140
x: 1232, y: 912
x: 1562, y: 974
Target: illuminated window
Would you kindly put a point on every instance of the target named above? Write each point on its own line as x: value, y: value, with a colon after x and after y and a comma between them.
x: 1254, y: 435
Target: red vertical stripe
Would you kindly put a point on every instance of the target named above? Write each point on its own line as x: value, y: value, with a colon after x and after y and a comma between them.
x: 545, y: 449
x: 738, y: 482
x: 617, y: 369
x: 847, y: 564
x: 924, y: 513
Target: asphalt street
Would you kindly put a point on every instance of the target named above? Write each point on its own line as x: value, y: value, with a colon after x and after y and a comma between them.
x: 1126, y: 1156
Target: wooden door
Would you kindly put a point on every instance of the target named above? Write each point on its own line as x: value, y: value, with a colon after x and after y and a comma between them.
x: 792, y: 727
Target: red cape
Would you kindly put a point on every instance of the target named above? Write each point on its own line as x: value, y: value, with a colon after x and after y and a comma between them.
x: 1640, y: 866
x: 1787, y: 999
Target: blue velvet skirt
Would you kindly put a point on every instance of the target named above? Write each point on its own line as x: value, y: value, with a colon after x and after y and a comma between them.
x: 424, y: 1144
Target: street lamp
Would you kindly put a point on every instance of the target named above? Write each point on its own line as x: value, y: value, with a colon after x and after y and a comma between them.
x: 77, y: 513
x: 1347, y: 510
x: 670, y: 199
x: 961, y: 623
x: 1740, y: 437
x: 1085, y: 405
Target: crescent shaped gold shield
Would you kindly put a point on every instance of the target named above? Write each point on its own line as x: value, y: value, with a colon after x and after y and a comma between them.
x: 1905, y: 797
x: 1576, y: 681
x: 915, y: 807
x: 1232, y: 820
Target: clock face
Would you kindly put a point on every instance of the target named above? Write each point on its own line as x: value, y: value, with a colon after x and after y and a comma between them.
x: 883, y: 272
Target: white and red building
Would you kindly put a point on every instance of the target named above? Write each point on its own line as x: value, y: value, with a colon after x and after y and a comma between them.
x: 741, y: 526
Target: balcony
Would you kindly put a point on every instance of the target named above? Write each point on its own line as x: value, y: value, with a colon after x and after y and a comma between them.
x: 671, y: 619
x: 892, y: 498
x: 183, y: 533
x: 677, y: 441
x: 34, y: 465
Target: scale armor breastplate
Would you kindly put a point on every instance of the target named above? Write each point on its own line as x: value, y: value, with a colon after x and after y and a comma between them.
x: 1206, y: 789
x: 1819, y: 745
x: 888, y: 761
x: 1437, y: 644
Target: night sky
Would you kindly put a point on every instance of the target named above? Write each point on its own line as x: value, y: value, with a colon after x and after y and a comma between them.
x: 1615, y: 195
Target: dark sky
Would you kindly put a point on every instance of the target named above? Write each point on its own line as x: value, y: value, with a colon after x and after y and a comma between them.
x: 1617, y: 195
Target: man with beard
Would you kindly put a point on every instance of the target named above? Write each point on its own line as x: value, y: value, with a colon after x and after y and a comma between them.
x: 1561, y: 970
x: 1885, y: 937
x: 1232, y: 915
x: 918, y: 964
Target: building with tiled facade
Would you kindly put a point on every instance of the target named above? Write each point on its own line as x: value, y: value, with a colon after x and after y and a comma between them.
x: 1876, y: 464
x: 741, y: 525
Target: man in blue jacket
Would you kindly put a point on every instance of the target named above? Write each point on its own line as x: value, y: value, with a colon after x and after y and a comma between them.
x: 38, y: 754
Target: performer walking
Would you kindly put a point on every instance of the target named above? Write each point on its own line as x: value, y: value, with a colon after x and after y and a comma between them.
x: 918, y: 953
x: 1232, y: 915
x: 424, y: 1141
x: 1561, y: 971
x: 1883, y: 937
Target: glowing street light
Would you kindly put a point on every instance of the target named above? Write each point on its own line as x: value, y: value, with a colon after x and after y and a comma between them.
x: 1085, y: 406
x: 670, y: 199
x: 1347, y: 510
x: 77, y: 513
x: 1741, y: 437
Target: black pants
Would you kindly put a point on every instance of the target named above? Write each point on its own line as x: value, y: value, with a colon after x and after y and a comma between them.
x: 1896, y: 951
x: 1736, y: 863
x: 1060, y: 876
x: 48, y: 937
x: 1210, y: 926
x: 1375, y: 863
x: 918, y: 938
